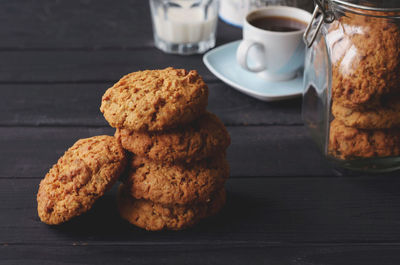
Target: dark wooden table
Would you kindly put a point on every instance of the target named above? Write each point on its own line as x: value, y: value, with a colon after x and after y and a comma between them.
x: 286, y: 204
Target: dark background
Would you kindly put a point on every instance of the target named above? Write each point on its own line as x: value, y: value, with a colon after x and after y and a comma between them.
x: 286, y: 204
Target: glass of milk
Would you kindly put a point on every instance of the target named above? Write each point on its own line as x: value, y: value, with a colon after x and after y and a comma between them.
x: 184, y: 26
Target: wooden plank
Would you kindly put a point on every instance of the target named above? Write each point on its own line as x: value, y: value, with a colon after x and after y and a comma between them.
x: 200, y: 254
x: 73, y: 23
x: 78, y: 104
x: 82, y: 24
x: 89, y: 66
x: 255, y: 151
x: 259, y: 211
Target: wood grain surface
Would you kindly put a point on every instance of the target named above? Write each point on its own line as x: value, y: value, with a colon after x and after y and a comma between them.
x: 286, y: 203
x: 270, y: 212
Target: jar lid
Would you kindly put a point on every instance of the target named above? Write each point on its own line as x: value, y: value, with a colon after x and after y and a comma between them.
x: 384, y: 8
x: 376, y: 5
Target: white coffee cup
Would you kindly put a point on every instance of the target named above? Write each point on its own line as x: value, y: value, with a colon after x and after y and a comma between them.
x: 275, y: 56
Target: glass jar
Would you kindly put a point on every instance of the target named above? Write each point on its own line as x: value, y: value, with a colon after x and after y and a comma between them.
x: 351, y: 100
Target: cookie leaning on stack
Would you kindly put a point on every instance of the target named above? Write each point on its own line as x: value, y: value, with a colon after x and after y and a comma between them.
x: 365, y: 88
x: 178, y: 165
x: 82, y: 175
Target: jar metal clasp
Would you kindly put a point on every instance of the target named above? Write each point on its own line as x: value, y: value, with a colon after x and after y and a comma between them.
x: 327, y: 17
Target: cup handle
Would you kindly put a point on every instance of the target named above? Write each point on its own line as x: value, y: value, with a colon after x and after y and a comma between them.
x: 242, y: 53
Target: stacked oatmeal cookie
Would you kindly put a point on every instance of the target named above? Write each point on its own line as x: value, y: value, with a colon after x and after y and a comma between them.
x: 365, y: 87
x: 177, y: 166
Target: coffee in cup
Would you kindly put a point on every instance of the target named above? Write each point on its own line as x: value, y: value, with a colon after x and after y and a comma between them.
x: 273, y: 43
x: 278, y: 24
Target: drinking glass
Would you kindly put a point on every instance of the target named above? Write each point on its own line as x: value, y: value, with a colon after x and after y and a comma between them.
x: 184, y: 26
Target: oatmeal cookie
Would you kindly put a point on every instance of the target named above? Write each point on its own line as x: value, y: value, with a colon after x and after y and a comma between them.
x: 153, y: 216
x: 155, y: 100
x: 86, y: 170
x: 349, y: 142
x: 364, y: 118
x: 176, y: 183
x: 202, y: 138
x: 365, y: 58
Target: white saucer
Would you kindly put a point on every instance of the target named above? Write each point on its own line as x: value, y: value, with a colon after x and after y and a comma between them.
x: 222, y: 63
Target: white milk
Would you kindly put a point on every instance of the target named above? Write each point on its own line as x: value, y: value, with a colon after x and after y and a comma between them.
x: 234, y: 11
x: 180, y: 25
